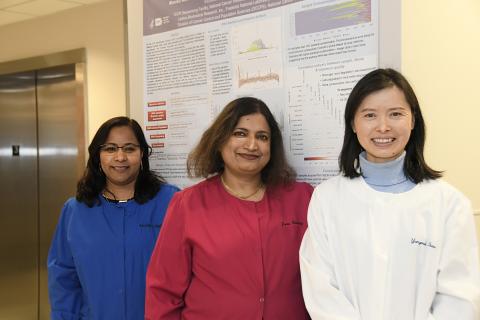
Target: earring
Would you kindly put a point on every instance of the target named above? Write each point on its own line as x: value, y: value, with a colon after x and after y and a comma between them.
x: 141, y: 166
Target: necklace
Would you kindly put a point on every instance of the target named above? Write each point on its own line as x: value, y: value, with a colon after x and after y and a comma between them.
x: 236, y: 194
x: 115, y: 200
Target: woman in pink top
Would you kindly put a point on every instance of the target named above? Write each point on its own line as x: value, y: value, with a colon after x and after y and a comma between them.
x: 228, y: 248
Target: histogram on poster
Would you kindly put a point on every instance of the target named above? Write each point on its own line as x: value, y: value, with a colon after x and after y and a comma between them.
x: 259, y: 37
x: 269, y: 78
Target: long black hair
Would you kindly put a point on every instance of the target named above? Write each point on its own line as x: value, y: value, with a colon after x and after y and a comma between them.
x: 93, y: 181
x: 415, y: 167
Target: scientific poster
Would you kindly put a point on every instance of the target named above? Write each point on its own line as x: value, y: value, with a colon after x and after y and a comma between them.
x: 301, y: 57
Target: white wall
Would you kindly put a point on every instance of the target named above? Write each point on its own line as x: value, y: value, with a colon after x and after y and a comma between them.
x: 440, y: 56
x: 99, y: 28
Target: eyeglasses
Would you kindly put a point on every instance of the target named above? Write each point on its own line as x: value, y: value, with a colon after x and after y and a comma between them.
x: 112, y: 148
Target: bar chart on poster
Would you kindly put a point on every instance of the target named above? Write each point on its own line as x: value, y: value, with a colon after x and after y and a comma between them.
x: 301, y: 58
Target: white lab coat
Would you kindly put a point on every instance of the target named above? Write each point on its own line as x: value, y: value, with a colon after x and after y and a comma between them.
x: 370, y: 255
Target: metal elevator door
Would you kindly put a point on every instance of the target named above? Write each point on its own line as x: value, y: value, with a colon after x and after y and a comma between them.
x: 42, y: 155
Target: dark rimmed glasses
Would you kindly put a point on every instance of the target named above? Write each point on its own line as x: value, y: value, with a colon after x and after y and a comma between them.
x: 112, y: 148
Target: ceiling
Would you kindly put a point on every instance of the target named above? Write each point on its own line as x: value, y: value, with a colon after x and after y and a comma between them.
x: 12, y: 11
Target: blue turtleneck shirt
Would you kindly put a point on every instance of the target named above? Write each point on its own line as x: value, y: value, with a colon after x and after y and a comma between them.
x: 387, y: 176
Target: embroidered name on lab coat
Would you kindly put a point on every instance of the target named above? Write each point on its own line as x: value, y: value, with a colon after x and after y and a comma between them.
x: 293, y: 222
x: 422, y: 243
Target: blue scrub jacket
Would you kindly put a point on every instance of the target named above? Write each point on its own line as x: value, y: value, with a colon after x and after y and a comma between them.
x: 99, y: 256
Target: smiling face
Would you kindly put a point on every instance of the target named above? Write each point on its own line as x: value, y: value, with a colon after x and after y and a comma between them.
x: 383, y: 123
x: 121, y: 167
x: 247, y: 150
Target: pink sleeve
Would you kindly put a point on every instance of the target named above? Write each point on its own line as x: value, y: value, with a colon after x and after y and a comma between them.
x: 169, y: 271
x: 309, y: 190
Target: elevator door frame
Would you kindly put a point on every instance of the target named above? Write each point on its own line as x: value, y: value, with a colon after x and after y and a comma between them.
x: 48, y: 210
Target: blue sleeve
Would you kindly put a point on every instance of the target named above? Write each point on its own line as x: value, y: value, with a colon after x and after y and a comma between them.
x: 170, y: 189
x: 64, y: 288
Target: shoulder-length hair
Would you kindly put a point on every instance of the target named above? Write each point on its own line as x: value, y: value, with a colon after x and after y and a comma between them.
x: 93, y: 181
x: 415, y: 167
x: 206, y: 160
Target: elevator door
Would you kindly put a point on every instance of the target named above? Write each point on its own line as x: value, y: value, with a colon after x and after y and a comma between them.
x: 18, y: 197
x: 41, y: 158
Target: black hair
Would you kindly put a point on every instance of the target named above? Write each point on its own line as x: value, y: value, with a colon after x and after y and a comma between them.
x: 415, y: 167
x: 93, y: 181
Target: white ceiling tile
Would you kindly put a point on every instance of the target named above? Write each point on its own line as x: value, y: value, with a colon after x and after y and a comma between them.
x: 42, y: 7
x: 8, y: 17
x: 9, y: 3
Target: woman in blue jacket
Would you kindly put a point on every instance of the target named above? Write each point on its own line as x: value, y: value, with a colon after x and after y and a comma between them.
x: 102, y: 245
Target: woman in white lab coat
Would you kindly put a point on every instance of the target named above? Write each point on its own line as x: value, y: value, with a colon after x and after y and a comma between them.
x: 386, y: 238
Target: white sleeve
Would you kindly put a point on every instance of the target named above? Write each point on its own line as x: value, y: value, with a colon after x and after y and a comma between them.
x: 322, y: 297
x: 458, y: 280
